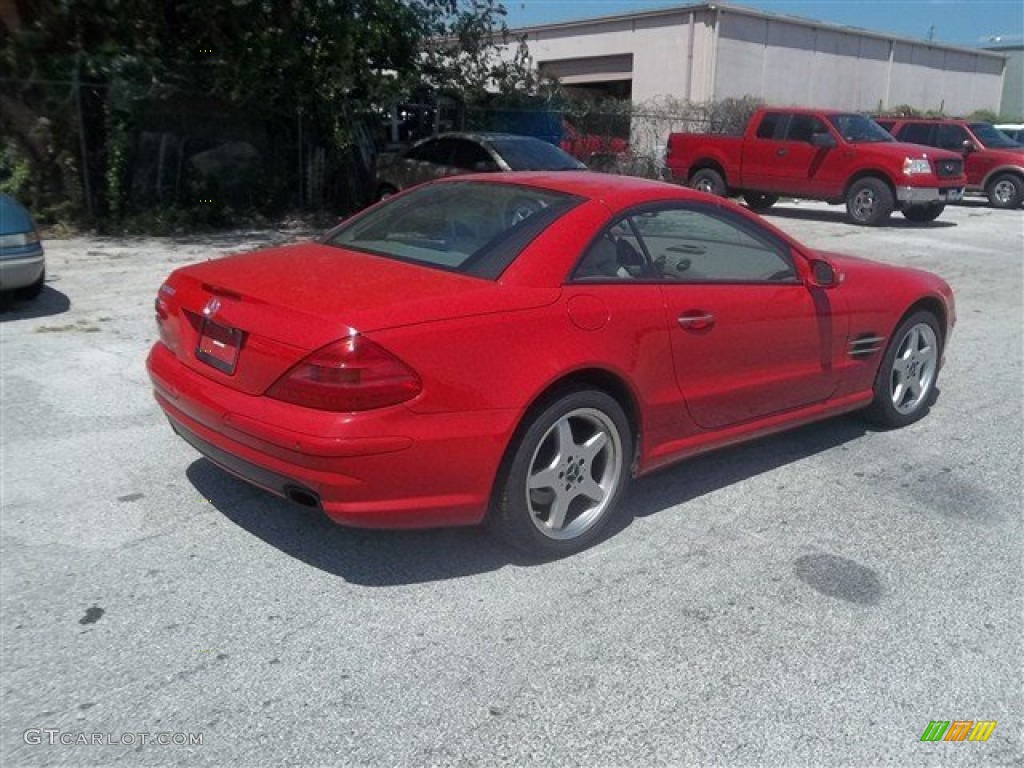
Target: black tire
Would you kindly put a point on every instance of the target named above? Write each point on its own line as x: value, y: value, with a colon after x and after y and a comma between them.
x: 29, y: 292
x: 385, y: 190
x: 892, y: 407
x: 921, y: 214
x: 1005, y: 191
x: 528, y: 519
x: 710, y: 181
x: 869, y: 202
x: 759, y: 201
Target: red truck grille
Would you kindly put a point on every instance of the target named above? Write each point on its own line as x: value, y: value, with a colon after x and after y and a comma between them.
x: 947, y: 168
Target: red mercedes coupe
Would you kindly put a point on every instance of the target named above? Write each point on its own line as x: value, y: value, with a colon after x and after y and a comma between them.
x: 514, y: 348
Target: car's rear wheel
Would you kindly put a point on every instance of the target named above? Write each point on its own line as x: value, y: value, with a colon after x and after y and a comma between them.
x: 708, y: 180
x: 905, y: 384
x: 1005, y: 191
x: 384, y: 191
x: 30, y: 292
x: 567, y: 468
x: 924, y: 213
x: 869, y: 201
x: 759, y: 201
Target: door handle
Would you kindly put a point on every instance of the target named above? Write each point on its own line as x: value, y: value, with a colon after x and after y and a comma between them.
x: 696, y: 321
x: 782, y: 152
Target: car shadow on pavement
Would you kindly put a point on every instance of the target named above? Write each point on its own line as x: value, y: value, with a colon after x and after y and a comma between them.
x: 49, y: 302
x: 838, y: 216
x: 392, y: 558
x: 719, y: 469
x: 368, y: 557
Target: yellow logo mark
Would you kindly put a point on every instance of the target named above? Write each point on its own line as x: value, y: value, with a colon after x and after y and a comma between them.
x: 982, y: 730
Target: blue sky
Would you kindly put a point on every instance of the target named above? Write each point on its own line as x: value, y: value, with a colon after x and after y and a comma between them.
x: 960, y: 22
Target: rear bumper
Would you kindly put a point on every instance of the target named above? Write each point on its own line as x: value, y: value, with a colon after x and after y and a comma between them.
x: 926, y: 195
x: 18, y: 270
x: 387, y: 468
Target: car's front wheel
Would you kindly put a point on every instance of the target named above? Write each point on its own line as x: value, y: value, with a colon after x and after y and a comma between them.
x: 759, y: 201
x: 869, y: 201
x: 566, y: 471
x: 384, y: 191
x: 905, y: 383
x: 1005, y: 191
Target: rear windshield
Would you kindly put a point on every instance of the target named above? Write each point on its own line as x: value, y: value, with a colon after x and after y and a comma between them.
x: 991, y: 137
x: 857, y: 129
x: 534, y: 155
x: 471, y: 227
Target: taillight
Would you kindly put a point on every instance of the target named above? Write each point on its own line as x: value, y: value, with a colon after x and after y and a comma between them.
x: 163, y: 316
x: 353, y: 374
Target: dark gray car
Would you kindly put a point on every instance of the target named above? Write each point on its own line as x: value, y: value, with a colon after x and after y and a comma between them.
x: 451, y: 154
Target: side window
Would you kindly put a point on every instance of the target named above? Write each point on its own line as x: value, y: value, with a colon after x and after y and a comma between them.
x: 802, y: 127
x: 471, y: 157
x: 887, y: 124
x: 437, y: 151
x: 615, y: 255
x: 769, y: 125
x: 950, y: 137
x: 695, y: 245
x: 917, y: 133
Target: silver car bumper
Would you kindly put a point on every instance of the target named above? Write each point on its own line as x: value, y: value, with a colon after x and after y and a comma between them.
x: 925, y: 195
x: 20, y: 272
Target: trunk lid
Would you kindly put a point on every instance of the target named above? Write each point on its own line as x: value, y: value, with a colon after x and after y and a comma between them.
x: 287, y: 302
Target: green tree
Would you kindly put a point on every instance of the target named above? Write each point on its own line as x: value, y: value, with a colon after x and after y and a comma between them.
x: 329, y: 59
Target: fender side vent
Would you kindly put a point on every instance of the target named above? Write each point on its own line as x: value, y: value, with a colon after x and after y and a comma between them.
x: 865, y: 345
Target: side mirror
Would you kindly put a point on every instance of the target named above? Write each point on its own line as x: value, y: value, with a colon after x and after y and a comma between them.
x: 824, y: 275
x: 968, y: 146
x: 824, y: 140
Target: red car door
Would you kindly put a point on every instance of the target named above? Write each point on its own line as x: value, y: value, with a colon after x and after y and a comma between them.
x: 748, y: 337
x: 760, y: 160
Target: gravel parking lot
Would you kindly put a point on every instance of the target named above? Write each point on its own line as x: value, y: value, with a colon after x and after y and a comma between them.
x: 811, y: 599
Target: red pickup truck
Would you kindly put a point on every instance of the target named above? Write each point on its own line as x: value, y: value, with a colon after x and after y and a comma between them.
x: 994, y: 163
x: 838, y: 157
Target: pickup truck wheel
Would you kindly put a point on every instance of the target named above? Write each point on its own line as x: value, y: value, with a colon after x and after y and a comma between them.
x: 708, y: 180
x: 758, y: 201
x: 869, y: 202
x: 1005, y: 191
x: 924, y: 213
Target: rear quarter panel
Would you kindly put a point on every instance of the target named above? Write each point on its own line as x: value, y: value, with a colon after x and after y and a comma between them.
x: 690, y: 151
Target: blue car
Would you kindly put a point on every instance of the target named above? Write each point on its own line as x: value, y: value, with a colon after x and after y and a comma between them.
x: 22, y: 264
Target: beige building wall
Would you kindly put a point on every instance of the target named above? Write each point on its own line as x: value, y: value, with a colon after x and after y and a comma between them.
x: 715, y: 51
x: 671, y: 53
x: 718, y: 51
x: 789, y: 62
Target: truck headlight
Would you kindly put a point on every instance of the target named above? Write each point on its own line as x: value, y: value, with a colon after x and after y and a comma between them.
x: 915, y: 165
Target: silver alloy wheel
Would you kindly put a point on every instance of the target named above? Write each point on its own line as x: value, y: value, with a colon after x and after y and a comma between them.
x: 574, y: 473
x: 704, y: 185
x: 1003, y: 191
x: 864, y: 204
x: 914, y: 368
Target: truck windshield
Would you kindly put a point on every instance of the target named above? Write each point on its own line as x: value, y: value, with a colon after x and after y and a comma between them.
x: 987, y: 134
x: 857, y: 129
